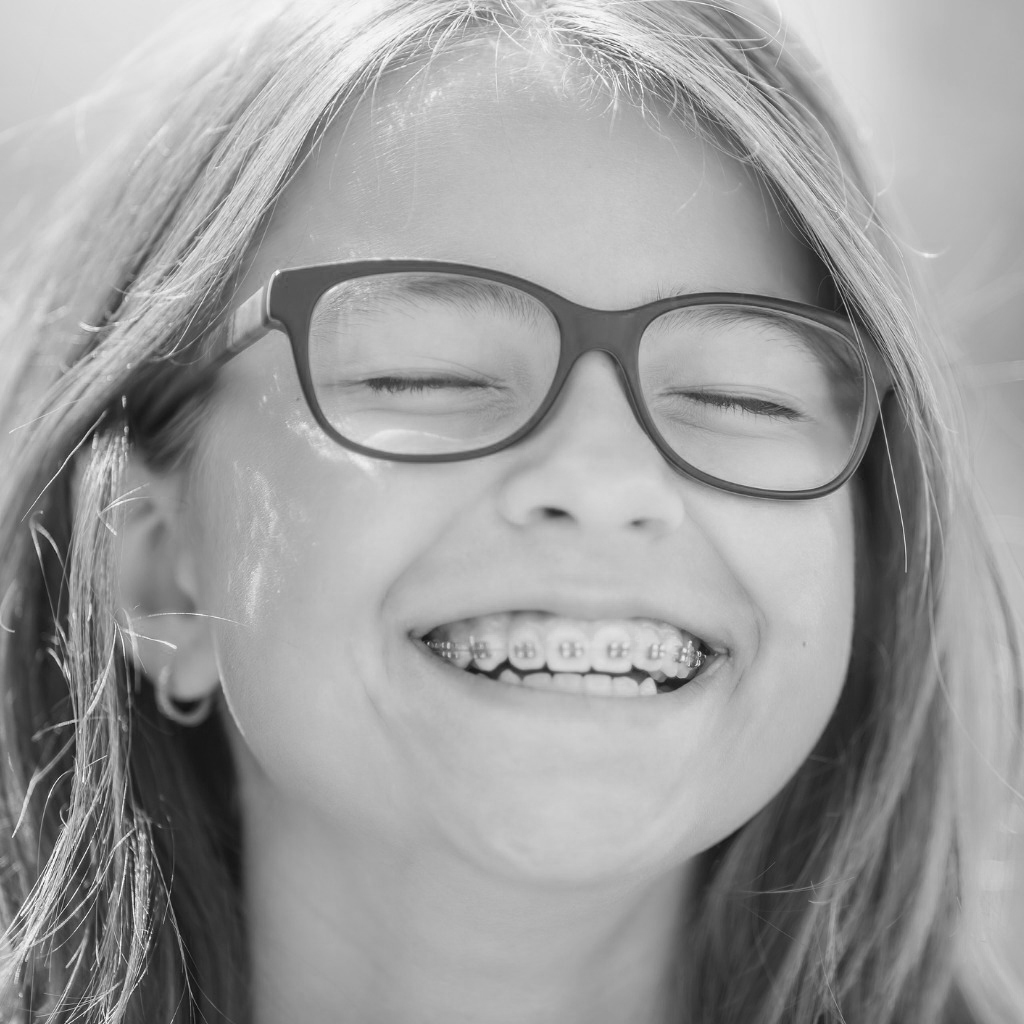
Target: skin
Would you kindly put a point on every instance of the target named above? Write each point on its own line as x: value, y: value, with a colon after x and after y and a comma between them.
x: 422, y: 846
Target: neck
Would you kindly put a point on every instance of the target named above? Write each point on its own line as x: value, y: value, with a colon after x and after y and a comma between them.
x: 346, y: 927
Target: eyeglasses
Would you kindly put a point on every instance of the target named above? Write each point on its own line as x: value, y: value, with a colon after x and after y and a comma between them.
x: 422, y: 361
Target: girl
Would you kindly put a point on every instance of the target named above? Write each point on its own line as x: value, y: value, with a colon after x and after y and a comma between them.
x: 481, y: 542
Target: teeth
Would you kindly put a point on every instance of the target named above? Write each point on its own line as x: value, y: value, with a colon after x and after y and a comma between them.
x: 456, y: 653
x: 544, y: 645
x: 600, y: 685
x: 623, y: 686
x: 566, y: 647
x: 647, y: 649
x: 538, y: 680
x: 648, y: 688
x: 593, y: 684
x: 610, y: 648
x: 508, y: 676
x: 526, y: 642
x: 669, y: 666
x: 486, y: 642
x: 567, y: 682
x: 689, y: 659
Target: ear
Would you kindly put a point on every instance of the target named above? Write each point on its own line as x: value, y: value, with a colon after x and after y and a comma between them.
x: 170, y: 639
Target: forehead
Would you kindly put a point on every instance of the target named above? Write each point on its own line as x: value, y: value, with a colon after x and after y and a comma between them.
x: 503, y: 158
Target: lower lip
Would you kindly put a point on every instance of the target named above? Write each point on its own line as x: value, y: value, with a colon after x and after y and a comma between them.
x: 480, y: 687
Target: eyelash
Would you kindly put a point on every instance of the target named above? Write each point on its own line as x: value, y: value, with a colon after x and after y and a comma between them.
x: 748, y: 406
x: 394, y: 385
x: 751, y: 406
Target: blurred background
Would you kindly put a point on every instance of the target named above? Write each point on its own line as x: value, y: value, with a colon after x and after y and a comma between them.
x: 937, y: 90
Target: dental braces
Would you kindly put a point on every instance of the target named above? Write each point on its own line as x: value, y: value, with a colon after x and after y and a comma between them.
x: 688, y: 655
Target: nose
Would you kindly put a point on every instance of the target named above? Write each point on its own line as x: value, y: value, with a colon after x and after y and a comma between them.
x: 590, y: 464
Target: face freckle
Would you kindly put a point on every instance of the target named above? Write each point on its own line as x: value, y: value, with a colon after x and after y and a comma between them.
x: 333, y: 562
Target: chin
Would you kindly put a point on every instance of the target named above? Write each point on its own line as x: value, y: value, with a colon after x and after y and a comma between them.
x: 563, y: 834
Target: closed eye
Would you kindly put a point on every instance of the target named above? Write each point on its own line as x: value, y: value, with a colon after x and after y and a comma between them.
x: 748, y: 404
x: 394, y: 385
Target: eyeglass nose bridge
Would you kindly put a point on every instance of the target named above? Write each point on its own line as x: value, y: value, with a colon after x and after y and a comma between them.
x: 617, y: 333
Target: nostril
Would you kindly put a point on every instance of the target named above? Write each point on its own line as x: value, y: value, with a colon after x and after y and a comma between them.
x: 553, y: 512
x: 643, y: 502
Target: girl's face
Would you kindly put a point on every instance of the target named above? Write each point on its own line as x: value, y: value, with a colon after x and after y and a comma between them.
x: 322, y: 567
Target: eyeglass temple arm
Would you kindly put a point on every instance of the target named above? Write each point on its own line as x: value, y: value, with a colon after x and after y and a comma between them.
x: 249, y: 322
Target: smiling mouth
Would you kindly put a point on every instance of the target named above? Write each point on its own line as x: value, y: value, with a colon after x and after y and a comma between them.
x: 608, y: 658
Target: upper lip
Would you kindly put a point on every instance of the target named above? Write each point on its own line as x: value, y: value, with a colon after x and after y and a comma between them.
x: 579, y: 601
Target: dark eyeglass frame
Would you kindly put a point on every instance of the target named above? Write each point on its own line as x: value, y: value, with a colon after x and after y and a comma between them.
x: 289, y: 298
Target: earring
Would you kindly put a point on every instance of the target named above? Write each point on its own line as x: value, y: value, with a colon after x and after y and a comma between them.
x: 188, y: 715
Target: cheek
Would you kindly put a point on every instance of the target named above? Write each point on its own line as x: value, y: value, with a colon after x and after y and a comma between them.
x: 299, y: 544
x: 803, y: 583
x: 798, y: 573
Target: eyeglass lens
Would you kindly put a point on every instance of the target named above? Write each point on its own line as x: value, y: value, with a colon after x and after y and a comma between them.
x: 418, y: 363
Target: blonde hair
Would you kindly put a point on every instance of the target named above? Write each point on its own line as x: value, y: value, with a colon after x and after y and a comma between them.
x: 119, y: 890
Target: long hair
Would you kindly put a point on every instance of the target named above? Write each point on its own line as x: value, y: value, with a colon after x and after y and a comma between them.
x: 120, y: 898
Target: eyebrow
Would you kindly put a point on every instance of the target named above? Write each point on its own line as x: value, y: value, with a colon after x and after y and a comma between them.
x: 511, y: 299
x: 839, y: 357
x: 665, y: 290
x: 460, y: 291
